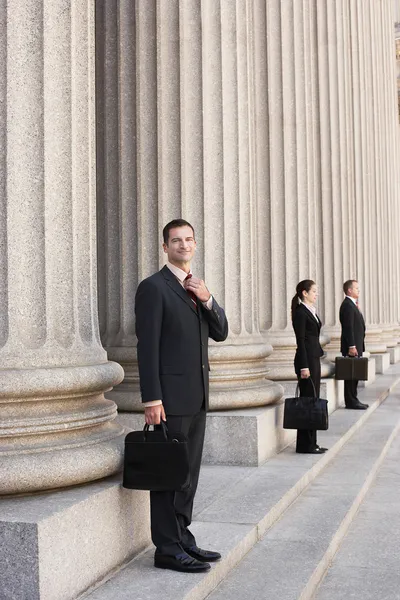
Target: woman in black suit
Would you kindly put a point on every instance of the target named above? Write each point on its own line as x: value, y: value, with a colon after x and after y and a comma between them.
x: 307, y: 364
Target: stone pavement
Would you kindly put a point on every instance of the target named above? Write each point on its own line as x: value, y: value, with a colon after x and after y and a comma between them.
x: 280, y: 525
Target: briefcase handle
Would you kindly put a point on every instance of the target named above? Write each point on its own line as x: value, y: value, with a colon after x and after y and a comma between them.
x: 164, y: 429
x: 297, y: 394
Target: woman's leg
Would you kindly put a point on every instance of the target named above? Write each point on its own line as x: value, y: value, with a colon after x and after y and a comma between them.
x: 307, y: 438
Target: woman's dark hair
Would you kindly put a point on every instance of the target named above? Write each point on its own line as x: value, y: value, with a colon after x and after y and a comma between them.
x: 303, y: 286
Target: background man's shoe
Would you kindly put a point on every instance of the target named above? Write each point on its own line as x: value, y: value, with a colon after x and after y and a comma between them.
x: 318, y: 450
x: 203, y: 555
x: 357, y: 406
x: 181, y: 562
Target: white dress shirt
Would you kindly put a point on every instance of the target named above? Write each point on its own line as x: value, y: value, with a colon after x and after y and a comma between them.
x: 311, y: 308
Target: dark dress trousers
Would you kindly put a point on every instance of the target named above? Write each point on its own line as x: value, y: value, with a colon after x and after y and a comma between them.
x: 173, y: 365
x: 353, y: 334
x: 308, y: 354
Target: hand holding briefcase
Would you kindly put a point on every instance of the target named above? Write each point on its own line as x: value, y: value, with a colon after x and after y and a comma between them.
x: 351, y: 368
x: 156, y: 460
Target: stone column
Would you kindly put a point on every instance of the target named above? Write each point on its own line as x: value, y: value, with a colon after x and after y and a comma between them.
x: 56, y: 427
x: 386, y: 80
x: 233, y: 51
x: 337, y: 191
x: 188, y: 72
x: 294, y: 172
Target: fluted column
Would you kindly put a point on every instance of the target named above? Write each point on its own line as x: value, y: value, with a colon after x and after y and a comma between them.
x: 386, y: 80
x: 56, y: 427
x: 294, y: 171
x: 189, y: 71
x: 337, y: 190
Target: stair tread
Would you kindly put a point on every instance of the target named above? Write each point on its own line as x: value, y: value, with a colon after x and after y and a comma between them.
x: 234, y: 506
x: 367, y: 564
x: 308, y: 527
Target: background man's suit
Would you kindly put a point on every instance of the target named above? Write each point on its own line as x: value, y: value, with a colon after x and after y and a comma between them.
x: 308, y: 355
x: 353, y: 334
x: 173, y: 366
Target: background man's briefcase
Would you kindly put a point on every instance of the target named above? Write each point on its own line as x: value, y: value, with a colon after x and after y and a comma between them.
x: 156, y: 461
x: 351, y: 368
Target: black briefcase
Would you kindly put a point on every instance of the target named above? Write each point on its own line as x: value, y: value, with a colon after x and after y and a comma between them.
x: 156, y: 460
x: 305, y: 413
x: 351, y: 368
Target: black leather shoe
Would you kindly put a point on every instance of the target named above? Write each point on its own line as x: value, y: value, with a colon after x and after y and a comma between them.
x: 318, y: 450
x: 358, y: 406
x: 181, y: 562
x: 203, y: 555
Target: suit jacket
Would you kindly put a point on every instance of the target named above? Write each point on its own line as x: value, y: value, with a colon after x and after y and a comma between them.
x: 353, y: 327
x: 306, y: 328
x: 172, y: 344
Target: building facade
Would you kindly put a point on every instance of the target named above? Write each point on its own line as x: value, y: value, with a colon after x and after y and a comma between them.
x: 271, y: 126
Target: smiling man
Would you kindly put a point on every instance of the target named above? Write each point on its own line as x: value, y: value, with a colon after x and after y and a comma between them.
x: 175, y: 316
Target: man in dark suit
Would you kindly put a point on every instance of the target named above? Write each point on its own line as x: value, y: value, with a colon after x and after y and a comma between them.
x: 175, y: 316
x: 352, y: 339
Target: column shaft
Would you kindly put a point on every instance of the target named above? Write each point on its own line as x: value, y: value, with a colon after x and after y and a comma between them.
x: 56, y: 428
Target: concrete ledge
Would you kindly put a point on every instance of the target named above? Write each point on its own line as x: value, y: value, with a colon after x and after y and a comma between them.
x: 382, y: 362
x: 57, y: 544
x: 236, y: 437
x: 330, y: 389
x: 248, y: 437
x: 394, y: 354
x: 371, y: 372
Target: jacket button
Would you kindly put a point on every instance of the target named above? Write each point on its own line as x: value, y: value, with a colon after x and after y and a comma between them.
x: 202, y: 366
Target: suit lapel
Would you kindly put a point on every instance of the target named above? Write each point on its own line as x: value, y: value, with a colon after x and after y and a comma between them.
x: 176, y: 287
x: 358, y: 311
x: 309, y: 314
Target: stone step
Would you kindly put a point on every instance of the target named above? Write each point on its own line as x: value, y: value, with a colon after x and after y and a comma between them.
x: 236, y: 505
x: 255, y: 431
x: 59, y: 543
x: 292, y: 557
x: 366, y: 566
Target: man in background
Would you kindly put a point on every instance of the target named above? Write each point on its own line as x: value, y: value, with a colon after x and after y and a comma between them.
x: 352, y: 339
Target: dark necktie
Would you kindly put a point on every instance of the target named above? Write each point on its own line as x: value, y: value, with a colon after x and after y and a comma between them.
x: 191, y: 294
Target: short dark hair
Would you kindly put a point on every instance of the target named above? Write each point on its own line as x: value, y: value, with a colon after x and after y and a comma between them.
x: 172, y: 225
x: 348, y: 284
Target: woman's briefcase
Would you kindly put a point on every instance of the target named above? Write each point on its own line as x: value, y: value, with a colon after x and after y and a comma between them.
x: 156, y: 460
x: 305, y: 413
x: 351, y: 368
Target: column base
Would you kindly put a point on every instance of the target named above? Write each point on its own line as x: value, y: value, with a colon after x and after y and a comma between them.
x: 238, y: 377
x: 248, y: 437
x: 371, y: 372
x: 382, y: 362
x: 57, y: 428
x: 394, y: 354
x: 60, y: 543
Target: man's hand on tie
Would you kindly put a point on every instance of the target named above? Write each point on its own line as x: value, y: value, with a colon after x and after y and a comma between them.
x: 198, y: 287
x: 154, y: 414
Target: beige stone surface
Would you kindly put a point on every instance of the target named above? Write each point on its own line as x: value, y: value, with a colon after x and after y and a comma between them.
x: 65, y: 541
x: 56, y: 426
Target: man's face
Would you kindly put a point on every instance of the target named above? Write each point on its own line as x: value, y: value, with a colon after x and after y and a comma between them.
x: 181, y: 245
x: 354, y: 291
